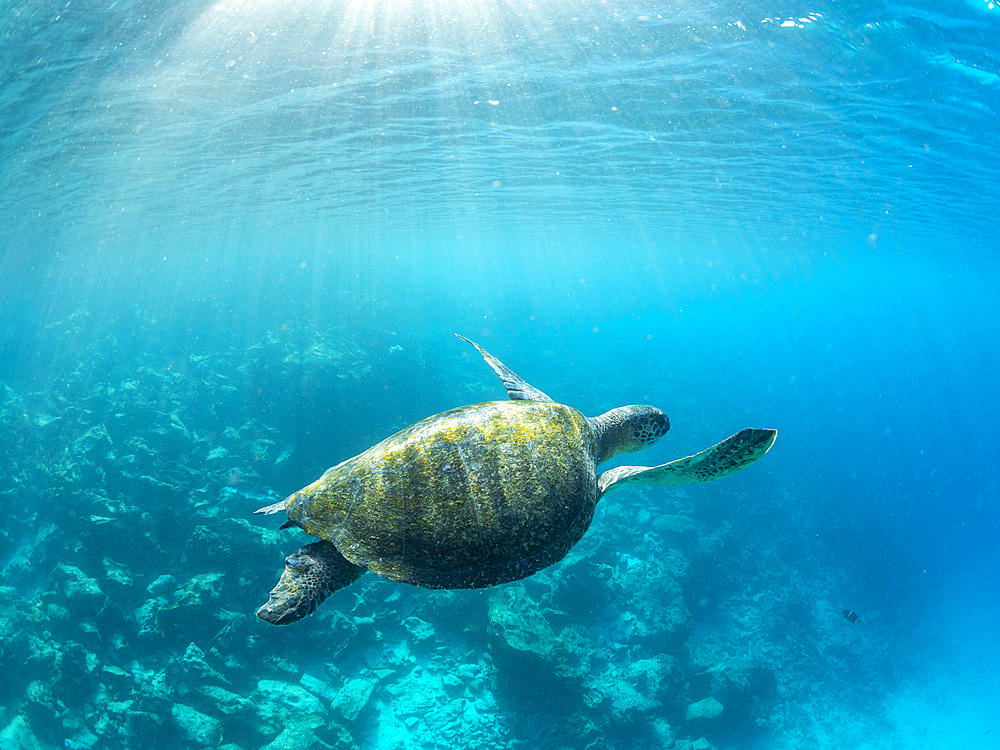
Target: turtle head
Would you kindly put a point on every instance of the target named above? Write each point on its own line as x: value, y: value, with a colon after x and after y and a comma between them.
x: 627, y: 429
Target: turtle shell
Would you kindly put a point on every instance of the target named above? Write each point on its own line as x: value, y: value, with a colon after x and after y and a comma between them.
x: 472, y: 497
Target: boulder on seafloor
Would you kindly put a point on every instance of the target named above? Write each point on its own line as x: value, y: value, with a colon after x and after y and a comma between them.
x: 296, y: 737
x: 197, y: 727
x: 194, y: 663
x: 41, y: 706
x: 655, y: 611
x: 117, y: 573
x: 225, y: 701
x: 353, y: 696
x: 635, y: 687
x: 703, y: 710
x: 747, y: 687
x: 18, y: 736
x: 318, y: 687
x: 517, y: 622
x: 534, y: 665
x: 613, y: 690
x: 78, y: 586
x: 186, y: 611
x: 663, y: 733
x: 97, y: 436
x: 414, y: 695
x: 676, y: 529
x: 143, y: 724
x: 164, y: 585
x: 146, y: 617
x: 82, y: 739
x: 421, y: 630
x: 282, y: 704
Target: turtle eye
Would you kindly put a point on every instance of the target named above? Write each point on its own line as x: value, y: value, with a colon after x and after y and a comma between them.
x: 662, y: 425
x: 653, y: 427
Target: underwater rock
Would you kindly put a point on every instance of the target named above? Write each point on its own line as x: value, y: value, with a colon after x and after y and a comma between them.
x: 82, y: 739
x: 55, y: 614
x: 154, y: 688
x: 708, y: 708
x: 318, y: 687
x: 225, y: 701
x: 146, y: 618
x: 217, y: 452
x: 96, y: 436
x: 164, y: 585
x: 116, y: 679
x: 663, y: 732
x: 747, y: 687
x: 676, y: 529
x: 117, y: 573
x: 143, y: 724
x: 78, y: 665
x: 452, y: 682
x: 617, y: 688
x: 233, y: 625
x: 675, y: 564
x: 17, y: 735
x: 191, y: 600
x: 193, y: 662
x: 42, y: 707
x: 656, y: 612
x: 78, y: 586
x: 196, y: 727
x: 517, y: 622
x: 296, y: 737
x: 636, y: 687
x: 421, y: 630
x: 12, y: 611
x: 353, y: 696
x: 416, y: 694
x: 453, y: 720
x: 261, y: 448
x: 283, y: 704
x: 471, y: 675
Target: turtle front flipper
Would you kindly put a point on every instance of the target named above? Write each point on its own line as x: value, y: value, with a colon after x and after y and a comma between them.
x: 311, y: 574
x: 732, y: 454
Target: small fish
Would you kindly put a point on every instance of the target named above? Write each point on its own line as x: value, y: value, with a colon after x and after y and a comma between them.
x: 851, y: 616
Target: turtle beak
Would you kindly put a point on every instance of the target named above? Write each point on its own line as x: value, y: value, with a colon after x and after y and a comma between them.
x: 293, y: 597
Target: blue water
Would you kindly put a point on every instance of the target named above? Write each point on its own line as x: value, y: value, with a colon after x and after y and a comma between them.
x: 235, y: 242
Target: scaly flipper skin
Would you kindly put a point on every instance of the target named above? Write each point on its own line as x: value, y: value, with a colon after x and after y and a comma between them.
x: 732, y: 454
x: 311, y: 574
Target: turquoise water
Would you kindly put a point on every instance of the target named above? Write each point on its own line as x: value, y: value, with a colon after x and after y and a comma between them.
x: 235, y: 242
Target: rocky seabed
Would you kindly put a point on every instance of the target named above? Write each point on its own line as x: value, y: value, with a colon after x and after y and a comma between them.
x: 132, y: 567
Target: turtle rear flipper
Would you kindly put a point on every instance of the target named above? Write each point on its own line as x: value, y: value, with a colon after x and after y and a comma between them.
x: 732, y: 454
x: 270, y: 510
x: 311, y: 574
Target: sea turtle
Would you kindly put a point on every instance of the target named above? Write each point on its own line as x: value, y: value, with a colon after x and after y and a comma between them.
x: 476, y: 496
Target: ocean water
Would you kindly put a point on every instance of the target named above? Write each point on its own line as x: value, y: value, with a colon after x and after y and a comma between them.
x: 236, y: 239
